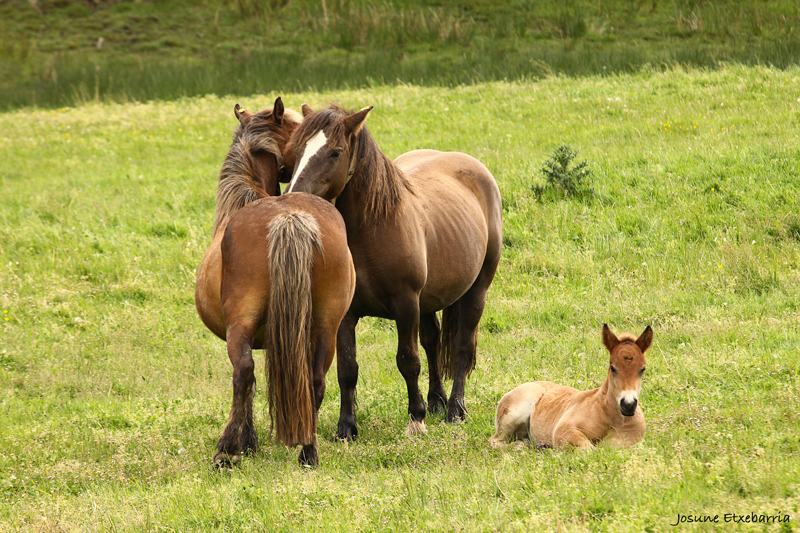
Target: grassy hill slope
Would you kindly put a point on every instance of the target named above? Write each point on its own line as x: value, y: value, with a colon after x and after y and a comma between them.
x: 70, y: 51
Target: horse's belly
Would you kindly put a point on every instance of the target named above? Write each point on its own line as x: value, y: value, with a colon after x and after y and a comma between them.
x: 207, y: 289
x: 456, y: 246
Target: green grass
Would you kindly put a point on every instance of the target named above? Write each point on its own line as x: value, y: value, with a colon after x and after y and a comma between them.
x: 172, y: 48
x: 113, y: 394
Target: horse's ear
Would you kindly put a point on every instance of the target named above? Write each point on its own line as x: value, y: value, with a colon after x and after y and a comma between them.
x: 354, y: 122
x: 306, y: 110
x: 277, y: 110
x: 609, y: 339
x: 645, y: 339
x: 242, y: 114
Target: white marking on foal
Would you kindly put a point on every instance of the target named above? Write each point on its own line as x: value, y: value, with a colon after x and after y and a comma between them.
x: 312, y: 147
x: 629, y: 396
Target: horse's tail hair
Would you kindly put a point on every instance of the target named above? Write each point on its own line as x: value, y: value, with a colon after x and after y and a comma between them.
x: 447, y: 343
x: 293, y: 240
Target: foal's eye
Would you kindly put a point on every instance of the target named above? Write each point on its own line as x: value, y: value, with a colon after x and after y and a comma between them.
x: 642, y: 370
x: 613, y: 370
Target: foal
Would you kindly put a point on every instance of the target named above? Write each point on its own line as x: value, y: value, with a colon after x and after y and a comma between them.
x: 554, y: 415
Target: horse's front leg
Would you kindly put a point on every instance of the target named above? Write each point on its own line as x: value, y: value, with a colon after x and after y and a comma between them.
x: 407, y: 316
x: 239, y: 435
x: 347, y: 368
x: 572, y: 436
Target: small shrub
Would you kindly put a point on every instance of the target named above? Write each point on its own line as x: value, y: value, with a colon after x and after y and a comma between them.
x: 564, y: 177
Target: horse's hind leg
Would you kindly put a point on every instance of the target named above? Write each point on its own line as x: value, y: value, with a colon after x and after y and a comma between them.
x: 239, y: 435
x: 429, y: 337
x: 324, y: 350
x: 347, y: 368
x: 464, y: 345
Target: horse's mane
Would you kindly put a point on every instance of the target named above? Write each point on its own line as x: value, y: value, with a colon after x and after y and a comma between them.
x: 237, y: 185
x: 376, y: 180
x: 625, y: 336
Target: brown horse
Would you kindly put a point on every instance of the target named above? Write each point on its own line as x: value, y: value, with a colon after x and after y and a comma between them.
x: 425, y: 234
x: 553, y: 415
x: 277, y: 261
x: 251, y: 170
x: 287, y: 277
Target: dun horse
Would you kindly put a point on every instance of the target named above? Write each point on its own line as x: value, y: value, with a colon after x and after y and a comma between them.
x: 554, y: 415
x: 285, y: 280
x: 425, y: 234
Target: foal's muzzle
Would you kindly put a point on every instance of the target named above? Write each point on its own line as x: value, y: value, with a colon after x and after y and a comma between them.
x: 627, y: 408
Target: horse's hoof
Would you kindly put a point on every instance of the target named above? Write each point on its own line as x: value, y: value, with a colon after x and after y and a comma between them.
x: 308, y: 458
x: 455, y: 412
x: 226, y: 461
x: 346, y: 432
x: 416, y: 428
x: 436, y: 404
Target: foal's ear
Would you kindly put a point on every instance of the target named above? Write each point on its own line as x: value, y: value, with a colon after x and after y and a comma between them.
x: 609, y: 339
x: 645, y: 339
x: 242, y: 114
x: 354, y: 122
x: 277, y: 110
x: 306, y: 110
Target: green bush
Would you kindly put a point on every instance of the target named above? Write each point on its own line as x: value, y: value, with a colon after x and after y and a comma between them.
x: 563, y: 177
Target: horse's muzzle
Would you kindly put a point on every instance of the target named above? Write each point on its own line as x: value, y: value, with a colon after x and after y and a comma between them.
x: 628, y: 408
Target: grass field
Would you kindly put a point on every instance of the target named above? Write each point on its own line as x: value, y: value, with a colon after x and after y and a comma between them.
x: 68, y: 52
x: 113, y: 394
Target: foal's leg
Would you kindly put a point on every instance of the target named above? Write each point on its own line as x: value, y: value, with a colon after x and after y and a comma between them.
x: 572, y: 436
x: 429, y: 332
x: 407, y: 313
x: 239, y: 434
x: 347, y: 368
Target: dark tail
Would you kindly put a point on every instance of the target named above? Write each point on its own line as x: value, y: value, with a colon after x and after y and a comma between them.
x: 293, y: 240
x: 447, y: 344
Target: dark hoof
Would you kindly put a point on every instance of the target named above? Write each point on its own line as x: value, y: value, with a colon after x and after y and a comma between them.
x: 437, y: 404
x: 346, y: 431
x: 226, y: 461
x: 455, y: 412
x: 309, y: 458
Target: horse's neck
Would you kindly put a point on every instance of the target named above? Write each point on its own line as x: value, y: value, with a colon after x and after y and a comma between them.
x: 265, y: 175
x: 243, y: 181
x: 606, y: 401
x: 364, y: 202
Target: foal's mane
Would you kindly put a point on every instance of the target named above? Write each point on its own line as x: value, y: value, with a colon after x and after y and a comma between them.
x: 238, y: 184
x: 376, y: 180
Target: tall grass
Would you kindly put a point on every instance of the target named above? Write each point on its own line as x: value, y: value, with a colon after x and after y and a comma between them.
x: 171, y: 49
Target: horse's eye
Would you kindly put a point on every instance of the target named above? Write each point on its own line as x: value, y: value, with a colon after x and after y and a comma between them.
x: 642, y: 371
x: 336, y: 153
x: 613, y: 370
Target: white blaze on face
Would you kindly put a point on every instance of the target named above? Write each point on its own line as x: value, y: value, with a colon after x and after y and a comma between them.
x: 312, y: 147
x: 629, y: 396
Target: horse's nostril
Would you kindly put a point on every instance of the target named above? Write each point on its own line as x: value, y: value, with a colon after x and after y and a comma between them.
x: 628, y: 407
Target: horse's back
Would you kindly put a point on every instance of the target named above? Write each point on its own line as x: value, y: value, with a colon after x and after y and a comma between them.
x: 457, y: 202
x: 427, y: 167
x: 554, y: 403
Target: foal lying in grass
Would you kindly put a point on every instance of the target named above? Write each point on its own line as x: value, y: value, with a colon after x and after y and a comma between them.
x: 555, y: 415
